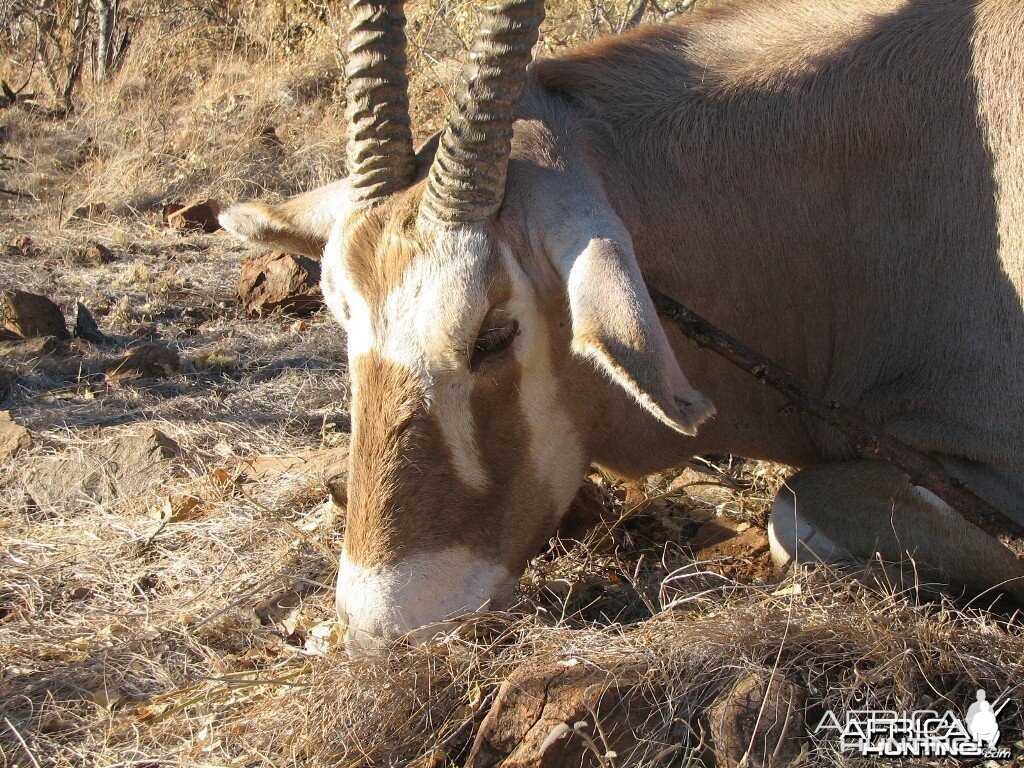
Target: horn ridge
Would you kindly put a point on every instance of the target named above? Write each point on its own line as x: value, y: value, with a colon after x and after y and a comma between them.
x: 466, y: 182
x: 380, y: 151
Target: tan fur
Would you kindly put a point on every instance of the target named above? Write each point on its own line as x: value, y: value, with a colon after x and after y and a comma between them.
x: 381, y: 244
x: 301, y: 224
x: 840, y: 185
x: 861, y: 208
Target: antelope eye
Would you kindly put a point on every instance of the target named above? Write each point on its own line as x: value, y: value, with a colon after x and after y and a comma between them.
x: 492, y: 342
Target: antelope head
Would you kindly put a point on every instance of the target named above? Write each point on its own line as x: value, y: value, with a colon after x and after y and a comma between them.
x: 500, y: 337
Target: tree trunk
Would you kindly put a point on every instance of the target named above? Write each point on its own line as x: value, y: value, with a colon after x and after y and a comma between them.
x: 77, y: 56
x: 105, y: 13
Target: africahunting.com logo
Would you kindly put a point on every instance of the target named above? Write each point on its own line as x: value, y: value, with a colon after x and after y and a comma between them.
x: 922, y: 733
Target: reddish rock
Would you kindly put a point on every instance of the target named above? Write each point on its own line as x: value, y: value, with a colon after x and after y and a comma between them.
x: 14, y: 438
x: 543, y: 717
x: 280, y: 282
x: 269, y: 137
x: 28, y: 315
x: 200, y: 216
x: 337, y: 487
x: 733, y: 548
x: 148, y: 361
x: 759, y: 722
x: 86, y: 326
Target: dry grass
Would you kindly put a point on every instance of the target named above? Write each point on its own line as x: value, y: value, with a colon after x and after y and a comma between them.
x: 127, y: 639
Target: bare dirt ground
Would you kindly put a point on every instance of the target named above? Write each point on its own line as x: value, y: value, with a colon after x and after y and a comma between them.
x: 168, y: 543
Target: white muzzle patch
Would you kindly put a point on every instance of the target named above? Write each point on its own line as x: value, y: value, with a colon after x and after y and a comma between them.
x: 414, y: 597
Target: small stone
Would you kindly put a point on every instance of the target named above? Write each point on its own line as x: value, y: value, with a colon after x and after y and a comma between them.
x: 280, y: 282
x: 269, y: 138
x: 97, y: 254
x: 194, y: 217
x: 28, y: 315
x: 585, y: 512
x: 86, y: 326
x: 81, y: 592
x: 179, y: 506
x: 20, y: 246
x: 150, y: 361
x: 337, y: 487
x: 89, y: 212
x: 733, y: 548
x: 14, y: 438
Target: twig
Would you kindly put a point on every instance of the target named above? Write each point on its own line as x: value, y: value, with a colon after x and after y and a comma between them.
x: 923, y: 470
x: 635, y: 17
x: 16, y: 193
x: 21, y: 741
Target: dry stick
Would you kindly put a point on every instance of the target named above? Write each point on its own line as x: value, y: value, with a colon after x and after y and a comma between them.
x: 923, y: 470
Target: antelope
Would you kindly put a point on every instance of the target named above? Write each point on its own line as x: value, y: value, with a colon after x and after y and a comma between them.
x: 840, y: 185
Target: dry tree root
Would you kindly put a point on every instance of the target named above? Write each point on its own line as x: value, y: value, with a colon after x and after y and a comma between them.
x: 866, y: 437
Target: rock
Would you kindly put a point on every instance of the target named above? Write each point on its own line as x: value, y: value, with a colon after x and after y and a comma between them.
x: 337, y: 487
x: 150, y: 361
x: 23, y: 351
x: 758, y: 722
x: 86, y: 326
x: 269, y: 137
x: 736, y: 549
x: 539, y: 713
x: 280, y: 281
x: 193, y: 217
x: 273, y: 481
x: 89, y: 212
x: 28, y: 315
x: 20, y: 246
x: 178, y: 507
x: 14, y: 438
x: 315, y: 469
x: 96, y: 255
x: 125, y: 467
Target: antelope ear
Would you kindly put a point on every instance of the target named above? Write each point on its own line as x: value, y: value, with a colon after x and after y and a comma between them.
x: 300, y: 224
x: 616, y: 326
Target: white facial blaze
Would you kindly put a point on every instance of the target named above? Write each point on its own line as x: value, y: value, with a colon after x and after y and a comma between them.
x: 441, y: 295
x: 451, y: 403
x: 554, y: 449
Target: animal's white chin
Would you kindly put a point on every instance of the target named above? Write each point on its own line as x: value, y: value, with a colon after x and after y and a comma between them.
x: 412, y: 598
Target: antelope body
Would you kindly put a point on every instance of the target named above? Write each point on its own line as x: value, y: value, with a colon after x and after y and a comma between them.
x: 840, y: 185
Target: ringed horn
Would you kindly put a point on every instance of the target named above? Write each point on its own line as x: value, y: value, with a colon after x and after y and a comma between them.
x: 381, y: 158
x: 466, y: 183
